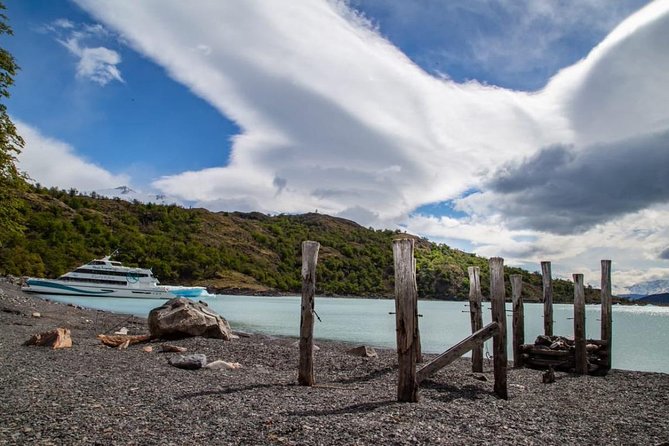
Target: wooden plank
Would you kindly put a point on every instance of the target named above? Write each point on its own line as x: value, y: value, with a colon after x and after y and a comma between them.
x: 306, y: 366
x: 459, y: 349
x: 406, y: 296
x: 518, y: 318
x: 580, y: 355
x: 547, y: 283
x: 607, y: 314
x: 475, y: 314
x: 497, y: 298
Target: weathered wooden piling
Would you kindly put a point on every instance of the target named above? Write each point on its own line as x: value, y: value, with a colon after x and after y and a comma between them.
x: 547, y: 282
x: 476, y: 315
x: 518, y: 319
x: 607, y: 315
x: 417, y: 344
x: 306, y: 365
x: 580, y: 355
x: 406, y: 297
x: 497, y: 298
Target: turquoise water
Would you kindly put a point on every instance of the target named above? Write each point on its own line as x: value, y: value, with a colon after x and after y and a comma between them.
x: 640, y: 334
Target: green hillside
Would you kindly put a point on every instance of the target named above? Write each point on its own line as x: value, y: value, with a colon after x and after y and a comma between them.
x: 230, y: 251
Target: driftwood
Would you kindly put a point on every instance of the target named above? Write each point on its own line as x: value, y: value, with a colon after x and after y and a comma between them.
x: 56, y: 339
x: 123, y: 341
x: 560, y: 354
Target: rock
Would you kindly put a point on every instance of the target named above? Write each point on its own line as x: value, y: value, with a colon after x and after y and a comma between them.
x: 548, y: 376
x: 218, y: 365
x: 148, y: 349
x: 479, y: 377
x: 364, y: 351
x: 189, y: 362
x: 591, y: 348
x: 36, y: 314
x: 122, y: 331
x: 168, y: 348
x: 181, y: 317
x: 58, y: 338
x: 242, y: 334
x: 543, y: 340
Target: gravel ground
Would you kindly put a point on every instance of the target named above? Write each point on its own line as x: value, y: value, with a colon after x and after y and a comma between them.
x: 92, y: 394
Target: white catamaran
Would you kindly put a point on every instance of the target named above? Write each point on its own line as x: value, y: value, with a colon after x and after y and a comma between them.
x: 107, y: 278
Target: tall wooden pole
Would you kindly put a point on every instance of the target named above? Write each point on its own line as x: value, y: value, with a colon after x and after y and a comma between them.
x: 417, y: 345
x: 406, y: 296
x: 607, y: 314
x: 475, y: 314
x: 497, y: 298
x: 309, y: 260
x: 580, y: 356
x: 548, y: 297
x: 518, y: 319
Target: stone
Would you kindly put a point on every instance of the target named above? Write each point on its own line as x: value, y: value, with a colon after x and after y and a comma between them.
x: 364, y: 351
x: 181, y: 317
x: 57, y: 339
x: 548, y: 376
x: 220, y: 364
x: 122, y: 331
x: 189, y: 362
x: 168, y: 348
x: 148, y: 349
x: 36, y: 314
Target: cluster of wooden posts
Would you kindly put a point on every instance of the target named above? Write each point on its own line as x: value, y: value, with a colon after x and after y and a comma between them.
x: 408, y: 333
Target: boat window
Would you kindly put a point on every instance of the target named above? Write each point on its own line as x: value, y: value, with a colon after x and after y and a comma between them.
x: 97, y: 262
x: 103, y: 272
x: 87, y: 280
x: 116, y: 263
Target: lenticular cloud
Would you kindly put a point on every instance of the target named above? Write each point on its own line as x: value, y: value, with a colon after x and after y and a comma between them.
x: 348, y: 123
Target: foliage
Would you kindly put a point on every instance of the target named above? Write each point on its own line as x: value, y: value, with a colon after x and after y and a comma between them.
x: 10, y: 144
x: 248, y: 251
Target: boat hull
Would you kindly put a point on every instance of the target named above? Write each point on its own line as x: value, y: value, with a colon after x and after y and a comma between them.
x: 55, y: 287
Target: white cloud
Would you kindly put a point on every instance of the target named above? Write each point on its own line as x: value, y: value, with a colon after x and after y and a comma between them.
x: 335, y: 118
x: 54, y: 163
x: 95, y: 63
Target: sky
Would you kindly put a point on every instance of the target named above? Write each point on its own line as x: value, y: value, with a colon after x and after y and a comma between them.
x: 527, y: 129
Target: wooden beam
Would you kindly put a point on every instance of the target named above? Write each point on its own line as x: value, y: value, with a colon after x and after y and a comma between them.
x: 547, y: 282
x: 497, y: 298
x: 580, y: 355
x: 607, y: 314
x: 475, y: 314
x: 459, y: 349
x: 518, y: 319
x: 406, y: 296
x: 306, y: 365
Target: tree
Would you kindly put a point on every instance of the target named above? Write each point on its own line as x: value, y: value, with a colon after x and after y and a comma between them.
x: 11, y: 180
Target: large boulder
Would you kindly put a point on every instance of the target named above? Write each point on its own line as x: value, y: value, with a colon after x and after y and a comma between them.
x: 180, y: 317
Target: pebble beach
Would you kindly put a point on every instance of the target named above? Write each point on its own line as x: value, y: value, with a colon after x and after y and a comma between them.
x: 94, y: 394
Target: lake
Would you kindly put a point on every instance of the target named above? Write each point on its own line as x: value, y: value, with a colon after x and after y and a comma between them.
x: 640, y: 334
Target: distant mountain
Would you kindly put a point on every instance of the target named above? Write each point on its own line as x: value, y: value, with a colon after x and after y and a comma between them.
x: 662, y: 298
x: 128, y: 194
x: 650, y: 287
x: 631, y: 296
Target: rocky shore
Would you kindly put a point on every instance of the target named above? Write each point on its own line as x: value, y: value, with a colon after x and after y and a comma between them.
x: 94, y: 394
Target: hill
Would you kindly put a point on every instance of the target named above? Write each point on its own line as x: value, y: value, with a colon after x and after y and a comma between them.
x: 230, y: 251
x: 658, y: 299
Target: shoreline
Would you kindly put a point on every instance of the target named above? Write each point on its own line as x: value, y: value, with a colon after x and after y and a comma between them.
x: 92, y: 393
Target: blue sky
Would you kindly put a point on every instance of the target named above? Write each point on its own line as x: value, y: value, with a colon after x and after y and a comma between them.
x: 475, y: 123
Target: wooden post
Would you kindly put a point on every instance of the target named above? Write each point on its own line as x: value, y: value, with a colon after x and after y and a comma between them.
x: 497, y: 298
x: 419, y: 350
x: 476, y: 315
x: 548, y: 297
x: 309, y: 259
x: 406, y: 296
x: 580, y: 356
x: 518, y: 319
x: 607, y: 315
